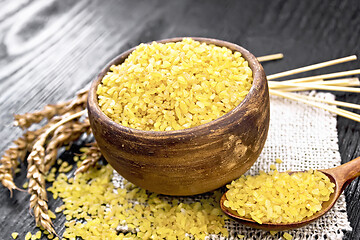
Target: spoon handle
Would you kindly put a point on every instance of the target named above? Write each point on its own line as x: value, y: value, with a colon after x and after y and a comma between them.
x: 346, y: 172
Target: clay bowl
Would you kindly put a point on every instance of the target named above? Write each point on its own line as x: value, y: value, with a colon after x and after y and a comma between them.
x: 189, y: 161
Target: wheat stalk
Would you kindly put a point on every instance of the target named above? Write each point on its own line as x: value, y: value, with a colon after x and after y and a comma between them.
x: 271, y: 57
x: 311, y: 67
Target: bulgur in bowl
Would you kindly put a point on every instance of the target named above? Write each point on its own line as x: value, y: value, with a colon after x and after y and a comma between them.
x: 180, y: 157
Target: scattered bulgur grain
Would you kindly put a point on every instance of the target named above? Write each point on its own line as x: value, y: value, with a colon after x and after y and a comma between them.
x: 50, y: 177
x: 65, y: 167
x: 25, y: 185
x: 38, y: 235
x: 279, y: 197
x: 272, y: 167
x: 95, y: 208
x: 287, y: 236
x: 173, y: 86
x: 278, y: 160
x: 51, y: 214
x: 28, y: 236
x: 84, y: 149
x: 273, y: 232
x: 14, y: 235
x: 60, y: 209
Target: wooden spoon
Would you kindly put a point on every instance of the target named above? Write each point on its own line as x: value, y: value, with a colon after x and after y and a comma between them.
x: 341, y: 176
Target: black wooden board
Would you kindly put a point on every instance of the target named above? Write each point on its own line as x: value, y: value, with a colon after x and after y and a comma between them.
x: 51, y: 49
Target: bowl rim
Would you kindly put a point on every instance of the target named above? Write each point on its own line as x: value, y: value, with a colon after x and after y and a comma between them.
x: 259, y: 78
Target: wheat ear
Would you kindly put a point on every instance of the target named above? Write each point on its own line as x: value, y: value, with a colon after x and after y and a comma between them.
x: 36, y: 175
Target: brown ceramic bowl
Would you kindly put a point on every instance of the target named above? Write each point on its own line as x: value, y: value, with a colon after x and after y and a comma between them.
x: 193, y: 160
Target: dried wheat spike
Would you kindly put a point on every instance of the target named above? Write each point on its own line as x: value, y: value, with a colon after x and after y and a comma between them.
x: 51, y: 110
x: 36, y: 174
x: 7, y: 180
x: 27, y: 119
x: 37, y: 190
x: 63, y: 135
x: 7, y: 167
x: 10, y: 161
x: 92, y: 157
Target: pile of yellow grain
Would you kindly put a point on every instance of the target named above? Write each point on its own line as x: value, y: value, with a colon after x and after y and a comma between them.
x: 173, y: 86
x: 279, y: 197
x: 94, y: 209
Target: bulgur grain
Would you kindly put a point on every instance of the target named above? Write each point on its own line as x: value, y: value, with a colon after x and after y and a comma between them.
x: 38, y: 235
x: 272, y: 166
x: 287, y: 236
x: 51, y: 214
x: 172, y: 86
x: 14, y: 235
x: 94, y: 209
x: 28, y: 236
x: 278, y: 160
x: 279, y: 197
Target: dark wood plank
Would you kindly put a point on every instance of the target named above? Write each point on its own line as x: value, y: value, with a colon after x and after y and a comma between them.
x: 51, y: 49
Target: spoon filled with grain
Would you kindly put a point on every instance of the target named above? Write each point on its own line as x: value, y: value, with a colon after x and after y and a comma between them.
x: 278, y: 201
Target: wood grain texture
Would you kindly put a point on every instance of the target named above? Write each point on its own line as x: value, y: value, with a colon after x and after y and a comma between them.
x: 51, y: 49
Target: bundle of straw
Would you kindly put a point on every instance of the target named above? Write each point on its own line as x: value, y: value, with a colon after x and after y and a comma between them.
x: 290, y: 88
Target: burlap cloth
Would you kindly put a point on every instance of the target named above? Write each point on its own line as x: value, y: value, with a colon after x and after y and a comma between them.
x: 303, y: 137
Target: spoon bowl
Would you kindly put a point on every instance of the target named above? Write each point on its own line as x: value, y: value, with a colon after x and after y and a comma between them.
x: 341, y: 176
